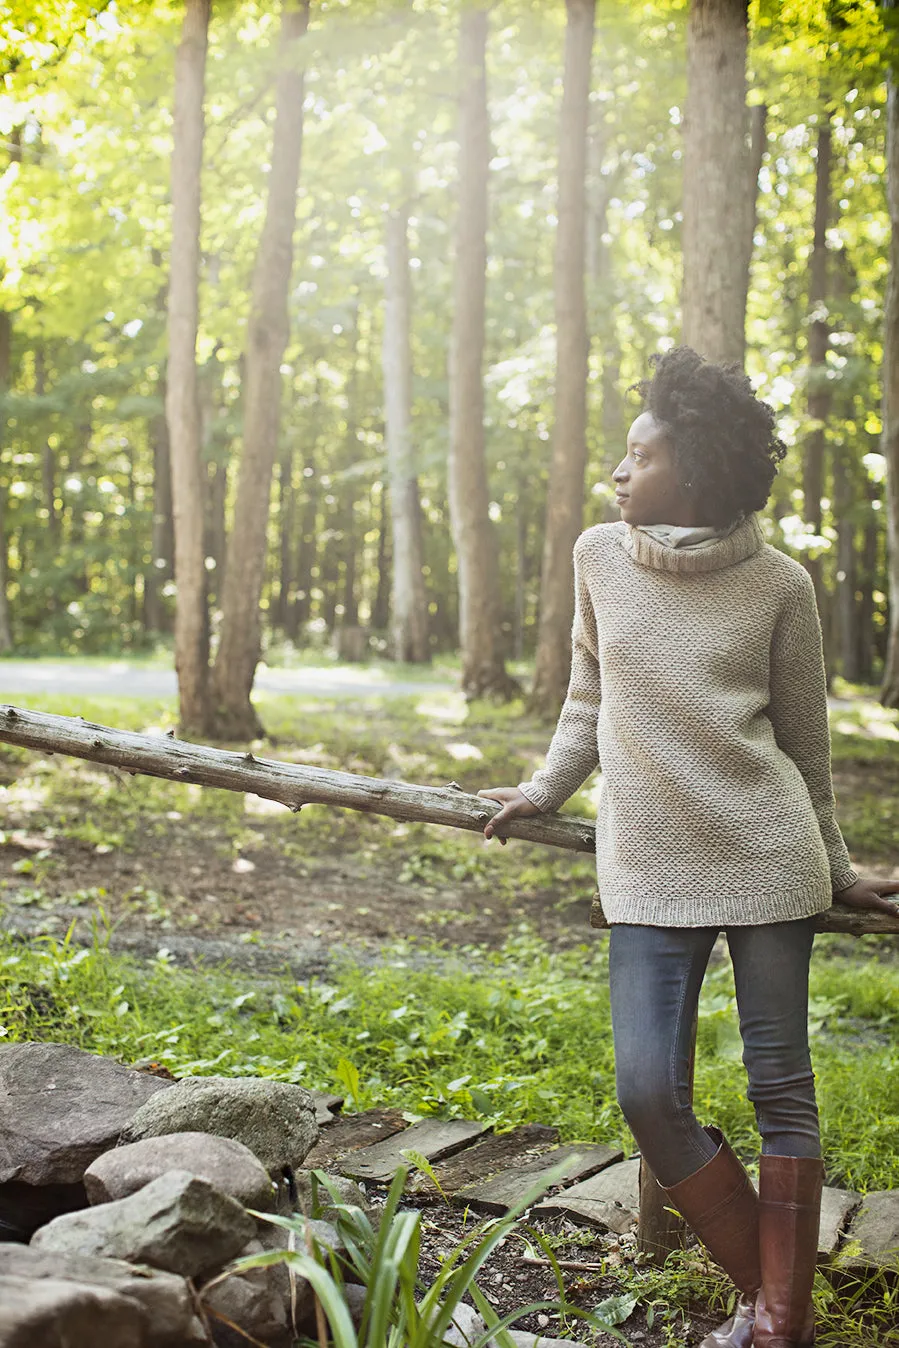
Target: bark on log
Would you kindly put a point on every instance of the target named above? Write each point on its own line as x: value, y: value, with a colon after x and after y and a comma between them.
x: 296, y: 785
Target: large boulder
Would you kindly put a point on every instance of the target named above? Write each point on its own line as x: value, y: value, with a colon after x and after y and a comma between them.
x: 60, y: 1108
x: 57, y: 1314
x: 274, y: 1119
x: 228, y: 1165
x: 164, y: 1300
x: 178, y: 1222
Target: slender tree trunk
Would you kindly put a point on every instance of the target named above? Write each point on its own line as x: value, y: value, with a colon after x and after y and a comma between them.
x: 716, y: 236
x: 182, y: 394
x: 867, y: 585
x: 217, y: 542
x: 307, y: 552
x: 521, y: 575
x: 162, y: 550
x: 6, y: 641
x: 889, y: 693
x: 845, y: 603
x: 285, y: 535
x: 819, y: 397
x: 483, y: 669
x: 48, y: 458
x: 565, y: 505
x: 380, y: 609
x: 409, y: 610
x: 269, y: 329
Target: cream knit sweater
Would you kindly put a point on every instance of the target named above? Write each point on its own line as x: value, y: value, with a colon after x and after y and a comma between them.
x: 697, y: 683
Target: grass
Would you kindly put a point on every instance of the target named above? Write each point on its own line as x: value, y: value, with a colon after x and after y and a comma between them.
x: 513, y: 1035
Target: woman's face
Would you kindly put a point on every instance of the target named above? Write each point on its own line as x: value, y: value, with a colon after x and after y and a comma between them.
x: 648, y: 486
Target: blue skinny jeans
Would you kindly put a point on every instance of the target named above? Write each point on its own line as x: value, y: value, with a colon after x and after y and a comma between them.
x: 655, y: 974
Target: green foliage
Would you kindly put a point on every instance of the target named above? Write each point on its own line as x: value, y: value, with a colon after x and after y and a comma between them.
x: 398, y: 1311
x: 86, y: 123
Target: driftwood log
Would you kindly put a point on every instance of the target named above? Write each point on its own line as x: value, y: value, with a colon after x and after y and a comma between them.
x: 295, y: 785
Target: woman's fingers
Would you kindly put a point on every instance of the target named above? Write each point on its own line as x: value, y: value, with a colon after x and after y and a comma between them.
x: 868, y: 897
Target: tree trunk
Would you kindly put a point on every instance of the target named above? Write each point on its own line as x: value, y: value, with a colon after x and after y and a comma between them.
x: 6, y: 641
x: 565, y: 505
x: 717, y: 238
x: 867, y: 586
x: 48, y: 458
x: 182, y: 394
x: 300, y: 609
x: 162, y: 550
x: 845, y: 601
x: 889, y: 693
x: 285, y: 535
x: 268, y: 332
x: 483, y: 668
x: 217, y: 540
x: 380, y: 609
x: 819, y: 397
x: 409, y: 611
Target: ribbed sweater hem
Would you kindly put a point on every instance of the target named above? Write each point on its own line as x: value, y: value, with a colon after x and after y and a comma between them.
x: 739, y: 910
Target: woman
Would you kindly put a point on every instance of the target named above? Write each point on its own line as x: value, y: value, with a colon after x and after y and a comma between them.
x: 697, y: 682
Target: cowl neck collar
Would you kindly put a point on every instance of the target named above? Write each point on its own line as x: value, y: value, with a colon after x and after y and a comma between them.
x: 745, y: 540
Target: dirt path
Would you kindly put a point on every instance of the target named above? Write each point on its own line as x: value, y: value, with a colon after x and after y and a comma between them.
x: 119, y: 678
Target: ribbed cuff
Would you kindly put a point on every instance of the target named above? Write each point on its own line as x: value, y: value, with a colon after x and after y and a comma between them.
x: 536, y: 796
x: 840, y: 882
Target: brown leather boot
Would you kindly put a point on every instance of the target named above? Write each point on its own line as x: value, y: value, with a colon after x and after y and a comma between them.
x: 720, y: 1204
x: 789, y: 1217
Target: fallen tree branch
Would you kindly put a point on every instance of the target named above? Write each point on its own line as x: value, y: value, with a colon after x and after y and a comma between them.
x: 291, y: 784
x: 296, y: 785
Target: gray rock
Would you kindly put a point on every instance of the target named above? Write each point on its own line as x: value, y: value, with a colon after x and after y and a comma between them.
x: 837, y: 1205
x: 274, y: 1119
x: 164, y: 1299
x: 57, y: 1314
x: 178, y: 1222
x: 872, y: 1240
x: 465, y: 1327
x: 349, y: 1191
x: 354, y: 1295
x: 228, y: 1165
x: 60, y: 1108
x: 256, y: 1301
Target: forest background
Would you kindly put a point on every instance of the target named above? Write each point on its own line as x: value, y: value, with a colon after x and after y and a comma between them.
x: 486, y: 195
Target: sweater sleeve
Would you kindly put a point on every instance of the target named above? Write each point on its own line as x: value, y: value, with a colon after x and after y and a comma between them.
x: 798, y: 713
x: 572, y: 754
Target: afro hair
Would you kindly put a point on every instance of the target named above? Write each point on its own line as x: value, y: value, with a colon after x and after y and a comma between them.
x: 723, y: 437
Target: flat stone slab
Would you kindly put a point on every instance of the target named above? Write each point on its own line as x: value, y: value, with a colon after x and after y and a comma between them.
x: 326, y: 1106
x: 434, y: 1138
x: 350, y: 1133
x: 609, y: 1199
x: 837, y: 1205
x: 508, y: 1187
x: 872, y: 1240
x: 486, y: 1158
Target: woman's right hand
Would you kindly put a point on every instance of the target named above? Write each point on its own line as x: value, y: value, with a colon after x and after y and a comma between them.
x: 515, y: 805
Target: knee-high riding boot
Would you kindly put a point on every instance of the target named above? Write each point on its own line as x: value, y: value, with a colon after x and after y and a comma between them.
x: 789, y: 1216
x: 720, y: 1205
